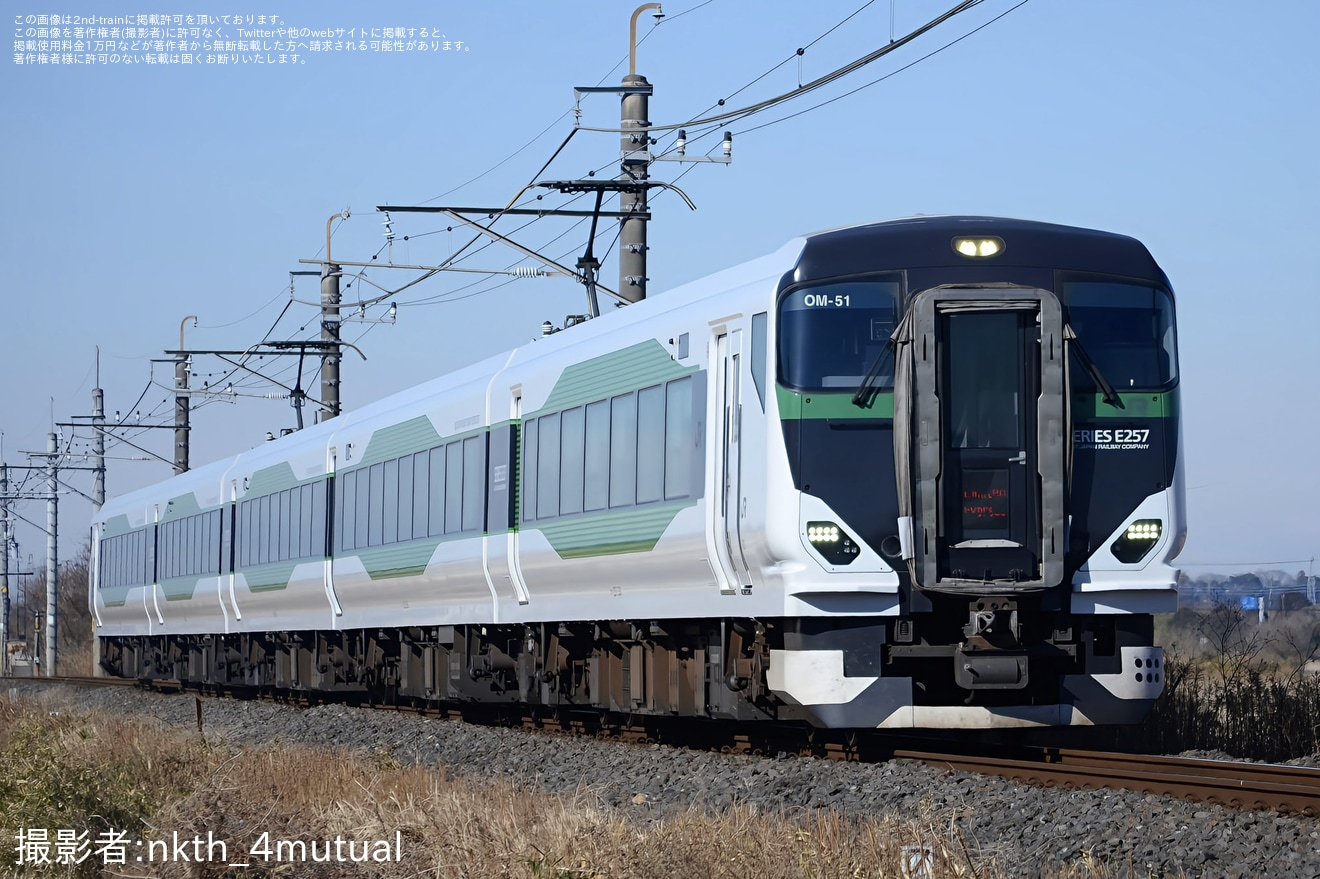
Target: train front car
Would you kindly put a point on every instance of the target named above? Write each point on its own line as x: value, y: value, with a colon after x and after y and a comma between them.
x: 992, y: 406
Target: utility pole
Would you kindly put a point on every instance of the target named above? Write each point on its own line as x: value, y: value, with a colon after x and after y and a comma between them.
x: 4, y: 569
x: 98, y: 450
x: 98, y: 500
x: 330, y: 327
x: 635, y: 156
x: 182, y: 402
x: 52, y: 548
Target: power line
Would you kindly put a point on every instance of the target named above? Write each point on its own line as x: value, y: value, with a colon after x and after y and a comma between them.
x: 814, y: 84
x: 886, y: 76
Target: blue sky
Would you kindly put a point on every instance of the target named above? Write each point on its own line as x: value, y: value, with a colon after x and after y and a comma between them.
x: 137, y: 195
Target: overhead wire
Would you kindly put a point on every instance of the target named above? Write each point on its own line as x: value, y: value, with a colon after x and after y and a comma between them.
x: 892, y: 73
x: 817, y: 83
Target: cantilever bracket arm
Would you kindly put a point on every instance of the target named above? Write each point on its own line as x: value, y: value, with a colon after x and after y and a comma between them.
x: 491, y: 233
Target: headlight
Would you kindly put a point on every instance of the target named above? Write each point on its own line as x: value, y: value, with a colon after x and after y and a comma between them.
x: 1137, y: 540
x: 982, y: 246
x: 832, y: 543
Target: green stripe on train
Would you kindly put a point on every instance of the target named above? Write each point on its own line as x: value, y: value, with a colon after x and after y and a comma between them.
x: 117, y: 596
x: 398, y: 440
x: 272, y: 577
x: 805, y: 405
x: 637, y: 529
x: 179, y: 588
x: 400, y: 559
x: 1136, y: 404
x: 181, y: 507
x: 637, y: 366
x: 269, y: 480
x: 115, y: 526
x: 836, y: 406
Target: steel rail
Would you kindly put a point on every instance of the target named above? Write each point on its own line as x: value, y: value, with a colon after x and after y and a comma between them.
x: 1240, y: 785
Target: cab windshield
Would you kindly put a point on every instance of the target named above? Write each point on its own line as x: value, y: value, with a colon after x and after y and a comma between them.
x: 830, y: 334
x: 1127, y: 330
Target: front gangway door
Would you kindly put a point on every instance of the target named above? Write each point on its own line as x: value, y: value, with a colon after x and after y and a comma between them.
x: 982, y: 370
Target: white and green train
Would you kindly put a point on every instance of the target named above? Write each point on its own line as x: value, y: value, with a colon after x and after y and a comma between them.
x: 919, y: 473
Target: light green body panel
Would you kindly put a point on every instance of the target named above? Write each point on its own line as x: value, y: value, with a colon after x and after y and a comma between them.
x: 118, y: 595
x: 636, y: 529
x: 398, y: 440
x: 637, y: 366
x: 806, y: 405
x: 400, y: 559
x: 180, y: 588
x: 271, y: 479
x: 1136, y: 404
x: 116, y: 526
x: 272, y: 577
x: 800, y: 405
x: 182, y: 507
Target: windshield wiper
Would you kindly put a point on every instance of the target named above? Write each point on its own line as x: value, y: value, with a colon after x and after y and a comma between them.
x: 1106, y: 388
x: 867, y: 390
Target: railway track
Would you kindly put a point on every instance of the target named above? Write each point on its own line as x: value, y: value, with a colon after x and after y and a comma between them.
x: 1240, y: 785
x: 1235, y: 784
x: 74, y: 680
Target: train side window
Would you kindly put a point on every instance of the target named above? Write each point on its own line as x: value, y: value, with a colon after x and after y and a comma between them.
x: 453, y: 488
x: 174, y: 549
x: 202, y: 562
x: 437, y: 489
x: 572, y: 449
x: 405, y: 499
x: 531, y: 434
x: 319, y: 491
x: 650, y: 444
x: 217, y: 537
x: 474, y: 483
x: 288, y: 519
x: 547, y: 458
x: 292, y: 523
x: 348, y: 510
x: 307, y: 524
x: 362, y: 500
x: 421, y: 497
x: 270, y: 509
x: 244, y: 532
x: 758, y: 356
x: 596, y: 474
x: 679, y: 441
x: 623, y: 450
x: 390, y: 509
x: 287, y: 541
x: 263, y: 530
x: 376, y: 506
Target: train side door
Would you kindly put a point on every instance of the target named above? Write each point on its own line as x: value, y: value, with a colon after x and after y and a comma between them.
x: 728, y: 499
x: 501, y: 545
x: 989, y: 448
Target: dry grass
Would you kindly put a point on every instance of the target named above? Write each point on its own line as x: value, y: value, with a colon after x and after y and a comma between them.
x: 156, y: 782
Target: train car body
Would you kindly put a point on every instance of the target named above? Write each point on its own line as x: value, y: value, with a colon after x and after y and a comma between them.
x: 916, y: 473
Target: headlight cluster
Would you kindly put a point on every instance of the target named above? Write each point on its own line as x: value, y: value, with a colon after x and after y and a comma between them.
x: 978, y: 247
x: 832, y: 543
x: 1137, y: 540
x: 823, y: 533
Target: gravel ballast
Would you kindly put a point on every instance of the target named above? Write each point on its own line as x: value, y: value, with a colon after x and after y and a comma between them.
x: 1132, y: 833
